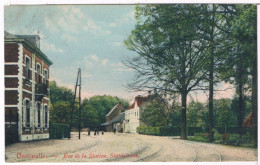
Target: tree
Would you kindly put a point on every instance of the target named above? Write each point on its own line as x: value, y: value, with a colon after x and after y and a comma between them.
x: 95, y: 109
x: 60, y: 112
x: 61, y: 99
x: 213, y: 30
x: 193, y: 113
x: 241, y: 56
x: 245, y: 32
x: 59, y: 93
x: 170, y: 53
x: 89, y: 115
x: 153, y: 115
x: 223, y: 112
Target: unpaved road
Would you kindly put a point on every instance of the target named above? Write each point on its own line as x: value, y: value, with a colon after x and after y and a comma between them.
x: 124, y: 148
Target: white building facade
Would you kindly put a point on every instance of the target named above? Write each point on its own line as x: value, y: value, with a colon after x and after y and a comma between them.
x: 132, y: 119
x: 132, y: 114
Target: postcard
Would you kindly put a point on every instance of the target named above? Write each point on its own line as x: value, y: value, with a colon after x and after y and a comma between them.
x: 130, y: 83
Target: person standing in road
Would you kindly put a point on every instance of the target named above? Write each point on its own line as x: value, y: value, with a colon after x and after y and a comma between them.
x: 114, y: 130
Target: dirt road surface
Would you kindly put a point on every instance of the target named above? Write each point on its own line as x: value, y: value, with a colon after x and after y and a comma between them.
x: 124, y: 148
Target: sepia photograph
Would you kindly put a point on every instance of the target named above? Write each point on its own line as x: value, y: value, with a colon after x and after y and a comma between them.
x: 130, y: 83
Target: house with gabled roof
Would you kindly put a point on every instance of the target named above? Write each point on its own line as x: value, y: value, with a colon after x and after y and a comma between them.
x: 134, y: 111
x: 114, y: 118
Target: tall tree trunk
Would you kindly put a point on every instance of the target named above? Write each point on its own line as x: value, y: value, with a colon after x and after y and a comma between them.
x: 211, y: 90
x: 183, y: 115
x: 254, y: 99
x: 211, y: 79
x: 240, y: 108
x: 240, y: 94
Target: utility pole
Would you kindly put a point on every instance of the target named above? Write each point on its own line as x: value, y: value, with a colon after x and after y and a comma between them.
x: 78, y: 84
x: 79, y: 77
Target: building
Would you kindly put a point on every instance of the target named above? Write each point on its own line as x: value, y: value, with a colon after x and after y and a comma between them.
x: 248, y: 121
x: 118, y: 122
x: 26, y: 89
x: 114, y: 118
x: 134, y: 111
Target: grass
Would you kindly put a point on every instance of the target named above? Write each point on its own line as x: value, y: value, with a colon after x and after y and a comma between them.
x: 197, y: 138
x: 205, y: 140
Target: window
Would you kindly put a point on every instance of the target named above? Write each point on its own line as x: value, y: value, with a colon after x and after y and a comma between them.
x: 39, y: 114
x: 46, y: 115
x: 46, y: 76
x: 38, y: 69
x: 27, y: 113
x: 27, y: 68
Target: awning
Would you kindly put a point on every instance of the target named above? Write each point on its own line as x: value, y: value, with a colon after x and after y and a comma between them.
x: 120, y: 117
x: 105, y: 124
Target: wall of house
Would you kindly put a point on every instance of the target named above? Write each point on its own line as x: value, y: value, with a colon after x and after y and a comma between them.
x: 11, y: 93
x: 18, y: 90
x: 132, y: 119
x: 119, y: 109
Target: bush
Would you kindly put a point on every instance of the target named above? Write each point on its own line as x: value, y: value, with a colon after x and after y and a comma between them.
x: 192, y: 130
x: 59, y: 131
x: 198, y: 138
x: 233, y: 139
x: 148, y: 130
x: 166, y: 131
x: 170, y: 131
x: 217, y: 136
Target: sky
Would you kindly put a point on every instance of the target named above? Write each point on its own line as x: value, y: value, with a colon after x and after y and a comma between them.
x: 90, y: 37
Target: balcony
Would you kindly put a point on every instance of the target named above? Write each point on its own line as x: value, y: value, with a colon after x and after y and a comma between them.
x: 41, y: 90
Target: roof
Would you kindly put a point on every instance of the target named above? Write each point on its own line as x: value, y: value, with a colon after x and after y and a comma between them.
x: 248, y: 121
x: 139, y: 100
x: 120, y: 117
x: 112, y: 110
x: 104, y: 124
x: 29, y: 42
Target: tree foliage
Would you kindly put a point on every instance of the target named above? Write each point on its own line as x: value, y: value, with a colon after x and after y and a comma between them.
x: 93, y: 110
x: 170, y: 53
x: 153, y: 115
x: 181, y: 47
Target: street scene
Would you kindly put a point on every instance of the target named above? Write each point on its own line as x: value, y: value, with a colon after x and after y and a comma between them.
x: 112, y: 147
x: 130, y: 83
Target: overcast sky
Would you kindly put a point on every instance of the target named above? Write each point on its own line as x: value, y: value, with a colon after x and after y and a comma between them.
x: 87, y: 36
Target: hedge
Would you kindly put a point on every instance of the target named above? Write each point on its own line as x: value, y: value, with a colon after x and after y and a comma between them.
x: 167, y: 131
x: 59, y: 131
x: 191, y: 131
x: 233, y: 130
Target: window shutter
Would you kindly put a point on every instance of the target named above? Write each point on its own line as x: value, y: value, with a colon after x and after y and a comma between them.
x: 48, y: 117
x: 42, y: 115
x: 36, y: 115
x: 24, y: 113
x: 31, y: 109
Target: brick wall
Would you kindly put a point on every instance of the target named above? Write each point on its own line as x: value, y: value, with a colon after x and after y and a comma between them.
x: 11, y: 82
x: 11, y: 97
x: 11, y: 69
x: 11, y: 53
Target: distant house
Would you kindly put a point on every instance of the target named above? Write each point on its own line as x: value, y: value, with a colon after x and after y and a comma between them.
x: 114, y: 119
x: 134, y: 111
x: 248, y: 121
x: 26, y: 88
